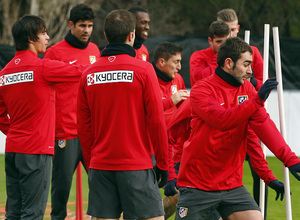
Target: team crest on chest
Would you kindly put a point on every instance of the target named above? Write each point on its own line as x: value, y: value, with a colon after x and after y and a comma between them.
x: 144, y: 57
x: 183, y: 212
x: 242, y: 98
x: 174, y: 89
x: 61, y: 143
x: 92, y: 59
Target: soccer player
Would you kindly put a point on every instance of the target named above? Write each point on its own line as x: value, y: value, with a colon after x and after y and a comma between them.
x: 75, y: 48
x: 223, y: 106
x: 229, y: 16
x: 120, y: 114
x: 27, y: 94
x: 202, y: 61
x: 167, y: 63
x: 142, y: 28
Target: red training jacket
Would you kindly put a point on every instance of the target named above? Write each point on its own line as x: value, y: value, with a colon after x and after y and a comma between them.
x: 167, y: 89
x: 66, y: 93
x: 27, y: 93
x: 203, y: 63
x: 142, y: 53
x: 119, y: 113
x: 213, y: 158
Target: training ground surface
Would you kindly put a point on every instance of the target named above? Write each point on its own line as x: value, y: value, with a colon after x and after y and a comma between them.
x: 70, y: 214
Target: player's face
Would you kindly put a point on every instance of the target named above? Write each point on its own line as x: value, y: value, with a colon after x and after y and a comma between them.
x: 142, y: 25
x: 172, y: 65
x: 41, y: 44
x: 216, y: 42
x: 234, y: 28
x: 82, y: 29
x: 241, y: 70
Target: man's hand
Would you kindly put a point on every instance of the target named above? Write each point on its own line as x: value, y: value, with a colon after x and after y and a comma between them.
x: 295, y: 169
x: 278, y: 187
x: 161, y: 176
x: 266, y: 88
x: 170, y: 188
x: 179, y: 96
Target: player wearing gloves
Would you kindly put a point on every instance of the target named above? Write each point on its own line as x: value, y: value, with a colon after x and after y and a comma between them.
x: 179, y: 131
x: 119, y: 113
x: 223, y: 106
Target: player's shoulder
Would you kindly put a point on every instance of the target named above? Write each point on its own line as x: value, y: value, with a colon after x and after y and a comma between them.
x: 254, y: 48
x: 93, y: 45
x: 201, y: 53
x: 59, y: 44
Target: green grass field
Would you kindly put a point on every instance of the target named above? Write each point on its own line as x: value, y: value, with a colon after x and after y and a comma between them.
x: 276, y: 209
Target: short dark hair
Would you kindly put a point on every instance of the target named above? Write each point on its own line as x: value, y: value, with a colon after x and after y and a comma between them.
x: 218, y: 29
x: 118, y: 24
x: 232, y: 48
x: 27, y: 28
x: 166, y: 50
x: 81, y: 12
x: 136, y: 9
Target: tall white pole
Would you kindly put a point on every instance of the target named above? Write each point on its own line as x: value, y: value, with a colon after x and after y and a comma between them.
x: 265, y: 77
x: 288, y: 206
x: 247, y: 36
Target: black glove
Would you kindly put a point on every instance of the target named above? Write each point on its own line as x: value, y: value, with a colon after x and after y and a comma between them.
x: 295, y: 169
x: 253, y: 81
x: 177, y: 166
x: 161, y: 176
x: 266, y: 88
x: 278, y: 187
x: 170, y: 188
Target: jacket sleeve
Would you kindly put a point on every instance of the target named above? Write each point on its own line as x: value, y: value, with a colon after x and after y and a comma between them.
x: 257, y: 66
x: 167, y: 103
x: 204, y: 71
x: 208, y: 109
x: 257, y: 158
x: 179, y: 129
x: 50, y: 53
x: 4, y: 119
x: 155, y: 118
x: 53, y: 70
x: 268, y: 133
x: 84, y: 124
x: 197, y: 65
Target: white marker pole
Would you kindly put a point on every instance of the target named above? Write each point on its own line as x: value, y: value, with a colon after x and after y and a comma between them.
x: 265, y: 76
x: 288, y: 206
x: 262, y: 184
x: 247, y: 36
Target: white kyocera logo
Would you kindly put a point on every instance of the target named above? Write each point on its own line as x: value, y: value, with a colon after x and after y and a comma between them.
x: 110, y: 77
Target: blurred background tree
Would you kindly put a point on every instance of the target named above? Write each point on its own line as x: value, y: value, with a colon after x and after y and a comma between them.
x: 186, y: 18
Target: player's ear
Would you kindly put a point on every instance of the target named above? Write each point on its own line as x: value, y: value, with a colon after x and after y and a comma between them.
x: 228, y: 63
x: 161, y: 61
x: 71, y: 24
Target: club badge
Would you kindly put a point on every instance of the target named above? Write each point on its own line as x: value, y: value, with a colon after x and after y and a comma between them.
x: 92, y: 59
x: 183, y: 212
x: 174, y: 89
x: 61, y: 143
x: 144, y: 57
x: 242, y: 98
